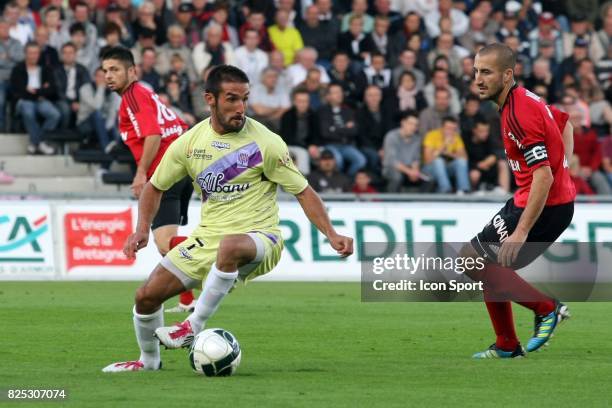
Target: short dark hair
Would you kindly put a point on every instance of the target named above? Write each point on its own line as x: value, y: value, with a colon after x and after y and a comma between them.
x: 120, y: 54
x: 436, y: 70
x: 506, y: 58
x: 481, y: 120
x: 69, y: 44
x: 407, y: 114
x: 441, y: 57
x: 77, y: 27
x: 408, y: 73
x: 340, y: 52
x: 298, y: 90
x: 146, y: 32
x: 112, y: 27
x: 52, y: 8
x: 334, y: 84
x: 449, y: 118
x: 472, y: 97
x: 31, y: 44
x: 223, y: 73
x: 442, y: 89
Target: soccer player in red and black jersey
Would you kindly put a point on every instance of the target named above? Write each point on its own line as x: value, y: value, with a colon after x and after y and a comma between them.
x: 541, y: 209
x: 147, y: 127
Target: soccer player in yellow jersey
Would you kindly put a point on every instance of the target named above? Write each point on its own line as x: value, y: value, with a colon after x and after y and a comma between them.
x: 236, y: 163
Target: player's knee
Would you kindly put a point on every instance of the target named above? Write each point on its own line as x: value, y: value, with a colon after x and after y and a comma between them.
x: 162, y: 244
x: 232, y: 251
x: 145, y: 300
x: 468, y: 251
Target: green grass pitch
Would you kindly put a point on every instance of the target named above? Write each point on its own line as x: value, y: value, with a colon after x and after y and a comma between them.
x: 304, y: 344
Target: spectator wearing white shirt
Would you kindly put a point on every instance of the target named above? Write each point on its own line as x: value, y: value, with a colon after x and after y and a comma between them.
x: 58, y: 35
x: 460, y: 22
x: 268, y: 102
x: 249, y: 57
x: 26, y: 16
x: 277, y: 61
x: 81, y: 15
x: 422, y: 7
x: 377, y: 74
x: 18, y: 30
x: 306, y: 59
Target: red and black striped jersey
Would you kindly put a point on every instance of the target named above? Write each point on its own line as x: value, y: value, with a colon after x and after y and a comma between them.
x: 532, y: 138
x: 142, y: 114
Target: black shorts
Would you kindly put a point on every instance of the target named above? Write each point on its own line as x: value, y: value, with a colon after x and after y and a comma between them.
x: 549, y: 226
x: 174, y: 205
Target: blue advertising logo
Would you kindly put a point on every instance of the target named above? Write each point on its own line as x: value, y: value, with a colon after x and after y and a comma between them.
x: 23, y: 235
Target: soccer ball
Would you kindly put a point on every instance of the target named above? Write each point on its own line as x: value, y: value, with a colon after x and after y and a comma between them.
x: 215, y: 353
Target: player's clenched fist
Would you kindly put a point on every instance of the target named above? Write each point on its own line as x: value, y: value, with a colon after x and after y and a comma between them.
x: 135, y: 242
x: 343, y: 245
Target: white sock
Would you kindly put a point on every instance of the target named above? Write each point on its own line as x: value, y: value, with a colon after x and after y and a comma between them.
x: 216, y: 286
x: 144, y: 326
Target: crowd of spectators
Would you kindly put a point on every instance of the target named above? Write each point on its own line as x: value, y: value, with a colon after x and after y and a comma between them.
x: 370, y: 95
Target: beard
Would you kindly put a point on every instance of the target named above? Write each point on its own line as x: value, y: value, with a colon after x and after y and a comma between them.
x: 227, y: 125
x: 494, y: 95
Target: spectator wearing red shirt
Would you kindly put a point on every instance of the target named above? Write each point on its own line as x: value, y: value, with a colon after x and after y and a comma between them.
x: 256, y: 21
x: 606, y: 161
x: 582, y: 187
x: 362, y: 184
x: 588, y: 149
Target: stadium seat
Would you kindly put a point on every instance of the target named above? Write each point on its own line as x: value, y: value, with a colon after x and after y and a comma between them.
x: 91, y: 156
x: 118, y: 178
x: 64, y: 137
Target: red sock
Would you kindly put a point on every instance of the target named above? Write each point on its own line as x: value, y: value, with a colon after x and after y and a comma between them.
x: 174, y: 241
x: 503, y: 324
x: 186, y: 297
x: 506, y: 284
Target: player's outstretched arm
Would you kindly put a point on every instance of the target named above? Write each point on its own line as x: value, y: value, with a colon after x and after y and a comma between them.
x: 540, y: 187
x: 148, y: 204
x: 315, y: 211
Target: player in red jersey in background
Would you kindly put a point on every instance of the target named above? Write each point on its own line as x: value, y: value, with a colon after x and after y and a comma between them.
x: 147, y: 127
x: 541, y: 209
